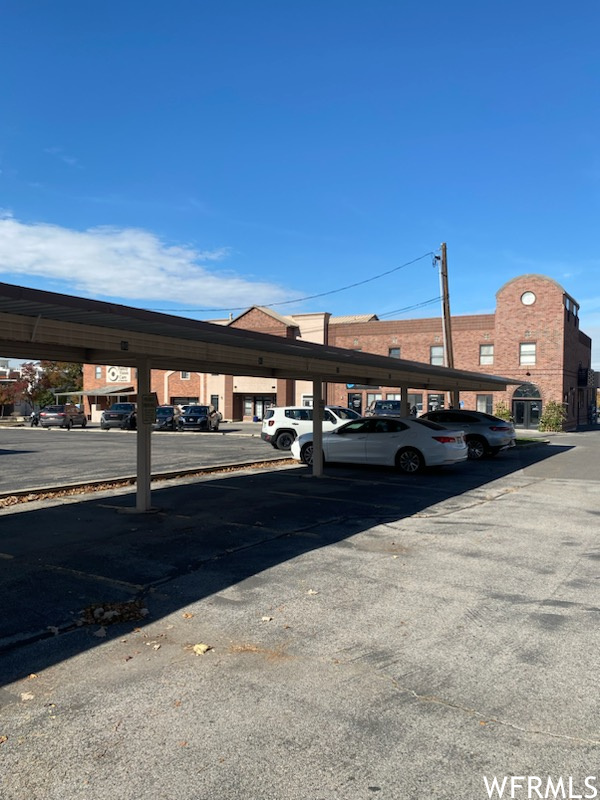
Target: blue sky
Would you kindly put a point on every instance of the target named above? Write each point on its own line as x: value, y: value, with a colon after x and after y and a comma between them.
x: 191, y: 156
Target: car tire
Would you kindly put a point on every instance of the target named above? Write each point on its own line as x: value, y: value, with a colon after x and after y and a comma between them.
x: 409, y: 461
x: 104, y: 427
x: 284, y: 440
x: 306, y: 454
x: 477, y: 447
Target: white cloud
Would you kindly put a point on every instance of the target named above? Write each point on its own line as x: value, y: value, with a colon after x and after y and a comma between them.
x: 125, y: 263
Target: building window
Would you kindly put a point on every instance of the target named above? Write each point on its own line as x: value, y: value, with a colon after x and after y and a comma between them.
x: 372, y: 396
x: 485, y: 403
x: 307, y: 400
x: 527, y: 354
x: 486, y: 354
x: 393, y: 396
x: 98, y: 373
x: 394, y: 352
x: 436, y: 355
x: 185, y: 376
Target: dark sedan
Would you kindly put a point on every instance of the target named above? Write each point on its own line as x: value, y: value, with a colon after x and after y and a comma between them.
x: 168, y: 418
x: 200, y: 418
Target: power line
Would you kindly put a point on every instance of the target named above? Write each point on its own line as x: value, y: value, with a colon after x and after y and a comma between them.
x: 411, y: 308
x: 308, y: 297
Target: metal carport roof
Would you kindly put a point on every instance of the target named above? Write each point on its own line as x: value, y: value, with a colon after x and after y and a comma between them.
x: 46, y: 325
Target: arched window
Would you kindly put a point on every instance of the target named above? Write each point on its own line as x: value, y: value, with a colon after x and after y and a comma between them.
x: 527, y: 391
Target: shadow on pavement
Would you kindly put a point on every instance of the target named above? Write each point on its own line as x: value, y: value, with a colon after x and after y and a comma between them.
x: 56, y: 561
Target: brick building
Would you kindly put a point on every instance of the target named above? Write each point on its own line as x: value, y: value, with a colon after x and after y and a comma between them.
x: 534, y: 334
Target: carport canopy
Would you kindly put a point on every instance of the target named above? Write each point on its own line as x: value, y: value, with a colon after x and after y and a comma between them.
x: 36, y: 325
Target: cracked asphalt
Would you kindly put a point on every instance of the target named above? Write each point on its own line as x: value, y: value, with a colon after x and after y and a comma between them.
x: 370, y: 635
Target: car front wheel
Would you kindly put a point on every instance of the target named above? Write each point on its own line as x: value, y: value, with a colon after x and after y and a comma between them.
x: 306, y: 454
x: 409, y: 461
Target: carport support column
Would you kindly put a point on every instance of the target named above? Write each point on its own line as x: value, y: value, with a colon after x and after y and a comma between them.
x: 144, y: 429
x: 318, y: 409
x: 404, y: 408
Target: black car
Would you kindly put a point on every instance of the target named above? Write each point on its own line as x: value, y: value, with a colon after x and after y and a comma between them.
x: 168, y: 418
x: 119, y: 415
x: 200, y: 418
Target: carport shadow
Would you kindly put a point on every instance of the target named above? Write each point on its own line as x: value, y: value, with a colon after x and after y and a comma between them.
x: 58, y: 563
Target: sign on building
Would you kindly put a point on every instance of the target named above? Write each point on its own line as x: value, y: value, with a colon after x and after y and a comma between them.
x: 118, y: 374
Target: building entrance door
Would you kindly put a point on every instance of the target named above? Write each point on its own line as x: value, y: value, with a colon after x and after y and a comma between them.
x: 527, y: 406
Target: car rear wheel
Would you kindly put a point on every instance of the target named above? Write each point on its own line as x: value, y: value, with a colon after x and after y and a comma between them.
x: 477, y: 447
x: 409, y: 461
x: 284, y: 440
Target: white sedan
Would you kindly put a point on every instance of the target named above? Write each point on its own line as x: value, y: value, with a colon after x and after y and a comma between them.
x: 408, y: 444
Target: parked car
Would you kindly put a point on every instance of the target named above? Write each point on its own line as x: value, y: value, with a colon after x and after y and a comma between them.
x: 486, y: 435
x: 281, y: 425
x: 384, y: 408
x: 410, y: 445
x: 119, y: 415
x: 168, y: 418
x: 200, y: 418
x: 62, y: 416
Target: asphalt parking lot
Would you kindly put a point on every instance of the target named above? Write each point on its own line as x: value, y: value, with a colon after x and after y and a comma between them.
x: 369, y: 634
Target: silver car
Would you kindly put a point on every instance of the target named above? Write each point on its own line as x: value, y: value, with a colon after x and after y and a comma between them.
x: 486, y: 435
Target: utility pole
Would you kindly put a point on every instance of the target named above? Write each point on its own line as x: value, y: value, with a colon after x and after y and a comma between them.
x: 446, y: 319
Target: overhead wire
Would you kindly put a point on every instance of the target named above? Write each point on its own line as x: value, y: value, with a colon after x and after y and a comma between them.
x: 308, y: 297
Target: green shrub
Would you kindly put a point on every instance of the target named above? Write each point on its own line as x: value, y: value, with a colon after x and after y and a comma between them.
x: 503, y: 411
x: 552, y: 417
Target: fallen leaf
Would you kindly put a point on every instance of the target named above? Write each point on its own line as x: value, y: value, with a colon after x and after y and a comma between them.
x: 3, y: 739
x: 187, y: 615
x: 266, y: 619
x: 156, y: 647
x: 27, y: 696
x: 312, y: 591
x: 201, y: 648
x: 32, y: 676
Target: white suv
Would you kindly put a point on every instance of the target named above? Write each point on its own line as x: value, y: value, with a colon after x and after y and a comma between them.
x: 282, y: 425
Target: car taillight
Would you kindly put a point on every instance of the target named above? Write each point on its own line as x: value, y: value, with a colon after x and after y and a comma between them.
x: 499, y: 428
x: 61, y: 414
x: 445, y: 439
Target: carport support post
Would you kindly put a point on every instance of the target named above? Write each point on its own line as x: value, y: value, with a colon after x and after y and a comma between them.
x: 144, y: 429
x: 318, y: 409
x: 404, y: 409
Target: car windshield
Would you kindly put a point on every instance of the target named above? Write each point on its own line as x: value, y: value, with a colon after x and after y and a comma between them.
x: 121, y: 407
x: 54, y: 409
x: 427, y: 423
x: 164, y: 412
x: 197, y: 410
x: 346, y: 413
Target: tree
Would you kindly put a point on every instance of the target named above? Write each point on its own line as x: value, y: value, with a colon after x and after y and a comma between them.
x: 39, y: 382
x: 7, y: 397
